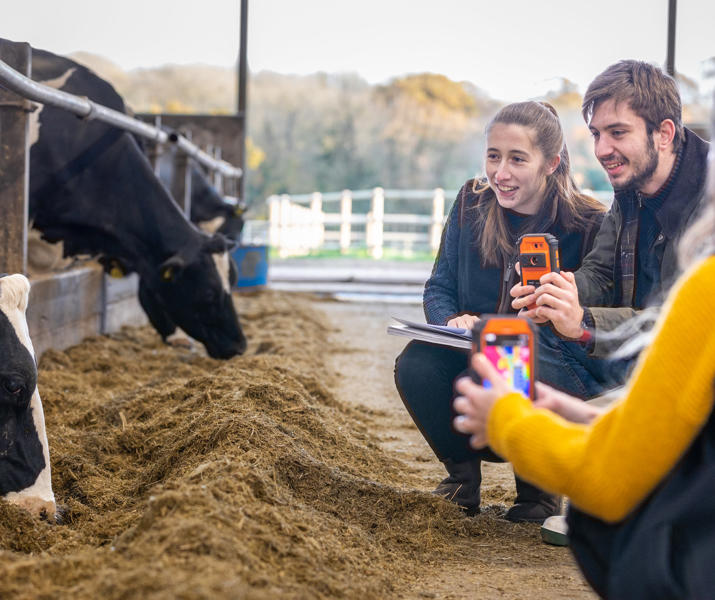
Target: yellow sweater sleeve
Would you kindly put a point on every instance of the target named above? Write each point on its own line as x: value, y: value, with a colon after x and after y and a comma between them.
x: 608, y: 467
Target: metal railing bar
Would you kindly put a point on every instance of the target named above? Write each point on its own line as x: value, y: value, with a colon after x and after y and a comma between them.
x: 87, y: 109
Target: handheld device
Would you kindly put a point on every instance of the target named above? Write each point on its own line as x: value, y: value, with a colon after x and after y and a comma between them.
x: 508, y: 342
x: 538, y: 255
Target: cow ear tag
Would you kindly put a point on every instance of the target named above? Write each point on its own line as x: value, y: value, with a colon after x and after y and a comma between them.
x: 116, y: 270
x: 167, y: 273
x: 171, y: 268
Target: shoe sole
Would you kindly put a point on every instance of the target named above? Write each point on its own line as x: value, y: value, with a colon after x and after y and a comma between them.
x: 555, y: 538
x: 539, y: 521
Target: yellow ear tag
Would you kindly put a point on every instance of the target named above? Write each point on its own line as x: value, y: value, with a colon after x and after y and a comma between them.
x: 116, y: 269
x: 167, y: 274
x: 238, y: 211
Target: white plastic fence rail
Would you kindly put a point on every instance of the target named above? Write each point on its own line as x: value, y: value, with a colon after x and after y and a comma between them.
x: 300, y: 223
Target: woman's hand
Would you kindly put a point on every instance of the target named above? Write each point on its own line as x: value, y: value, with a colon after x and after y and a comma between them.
x: 475, y: 401
x: 525, y: 299
x: 570, y: 408
x: 463, y: 321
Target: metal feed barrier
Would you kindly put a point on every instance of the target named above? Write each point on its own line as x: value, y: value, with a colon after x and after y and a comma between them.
x: 67, y: 307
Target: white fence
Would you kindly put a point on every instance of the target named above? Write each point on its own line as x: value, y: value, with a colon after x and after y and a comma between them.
x: 299, y: 224
x: 302, y: 223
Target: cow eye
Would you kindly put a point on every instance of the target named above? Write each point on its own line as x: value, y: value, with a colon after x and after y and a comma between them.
x: 13, y: 386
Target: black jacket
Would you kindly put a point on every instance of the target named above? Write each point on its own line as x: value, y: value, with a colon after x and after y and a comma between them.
x: 599, y: 280
x: 666, y: 547
x: 461, y: 284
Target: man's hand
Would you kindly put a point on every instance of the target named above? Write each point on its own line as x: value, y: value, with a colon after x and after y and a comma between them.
x: 463, y: 321
x: 557, y: 301
x: 524, y: 297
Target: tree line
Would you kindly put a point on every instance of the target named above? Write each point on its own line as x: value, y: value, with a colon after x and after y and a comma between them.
x: 328, y: 132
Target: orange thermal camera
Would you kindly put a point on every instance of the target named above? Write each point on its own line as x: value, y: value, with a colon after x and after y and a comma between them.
x: 508, y: 342
x: 538, y: 255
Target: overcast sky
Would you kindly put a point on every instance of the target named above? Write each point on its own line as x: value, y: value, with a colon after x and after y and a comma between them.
x: 512, y: 49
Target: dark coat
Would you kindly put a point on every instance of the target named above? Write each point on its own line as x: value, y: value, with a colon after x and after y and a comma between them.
x: 666, y: 547
x: 460, y: 283
x: 599, y: 280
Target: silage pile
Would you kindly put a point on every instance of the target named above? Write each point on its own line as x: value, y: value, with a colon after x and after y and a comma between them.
x: 187, y: 477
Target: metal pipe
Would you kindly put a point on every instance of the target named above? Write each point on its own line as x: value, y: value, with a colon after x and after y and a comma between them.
x: 242, y: 63
x: 226, y: 169
x: 670, y: 58
x: 241, y: 92
x: 87, y: 109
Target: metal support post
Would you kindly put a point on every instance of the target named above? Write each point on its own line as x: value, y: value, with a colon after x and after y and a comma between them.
x: 14, y: 163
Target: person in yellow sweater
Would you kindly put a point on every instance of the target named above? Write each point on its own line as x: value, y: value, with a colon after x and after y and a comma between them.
x: 641, y: 475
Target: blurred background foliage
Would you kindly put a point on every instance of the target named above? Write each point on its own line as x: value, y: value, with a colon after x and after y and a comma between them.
x: 328, y: 132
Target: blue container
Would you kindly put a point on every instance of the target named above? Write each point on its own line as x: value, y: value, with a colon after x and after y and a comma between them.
x: 252, y: 263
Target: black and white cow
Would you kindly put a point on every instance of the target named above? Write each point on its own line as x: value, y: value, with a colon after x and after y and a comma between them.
x: 24, y: 454
x: 93, y: 188
x: 207, y: 204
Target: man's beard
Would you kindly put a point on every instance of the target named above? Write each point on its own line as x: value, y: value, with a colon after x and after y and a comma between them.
x: 640, y: 177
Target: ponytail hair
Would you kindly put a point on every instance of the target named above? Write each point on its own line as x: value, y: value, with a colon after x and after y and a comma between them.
x: 563, y: 204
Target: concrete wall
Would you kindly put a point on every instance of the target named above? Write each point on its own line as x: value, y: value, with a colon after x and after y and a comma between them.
x: 65, y: 308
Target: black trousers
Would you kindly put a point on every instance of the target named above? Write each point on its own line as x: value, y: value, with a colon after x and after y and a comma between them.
x: 425, y: 375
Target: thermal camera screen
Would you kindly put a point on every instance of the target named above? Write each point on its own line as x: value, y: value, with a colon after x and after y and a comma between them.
x: 511, y: 355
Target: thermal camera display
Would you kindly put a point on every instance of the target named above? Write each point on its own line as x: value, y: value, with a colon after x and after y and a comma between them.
x: 512, y: 361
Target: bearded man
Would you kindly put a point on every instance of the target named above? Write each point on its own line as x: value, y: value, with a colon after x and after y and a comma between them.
x: 657, y: 169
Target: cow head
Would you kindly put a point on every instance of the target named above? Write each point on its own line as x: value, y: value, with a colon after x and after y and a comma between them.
x: 208, y: 205
x: 209, y: 208
x: 92, y: 187
x: 24, y: 454
x: 192, y: 290
x: 233, y: 220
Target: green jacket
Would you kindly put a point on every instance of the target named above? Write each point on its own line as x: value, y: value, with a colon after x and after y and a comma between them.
x: 603, y: 291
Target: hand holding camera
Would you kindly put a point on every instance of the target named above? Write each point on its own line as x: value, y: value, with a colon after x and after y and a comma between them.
x: 475, y: 401
x: 538, y: 255
x: 557, y: 301
x: 546, y: 293
x: 503, y: 360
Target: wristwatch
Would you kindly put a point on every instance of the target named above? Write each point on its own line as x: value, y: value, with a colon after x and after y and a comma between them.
x: 587, y: 327
x: 586, y: 336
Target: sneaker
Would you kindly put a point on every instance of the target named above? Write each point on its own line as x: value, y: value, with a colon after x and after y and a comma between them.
x: 555, y: 531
